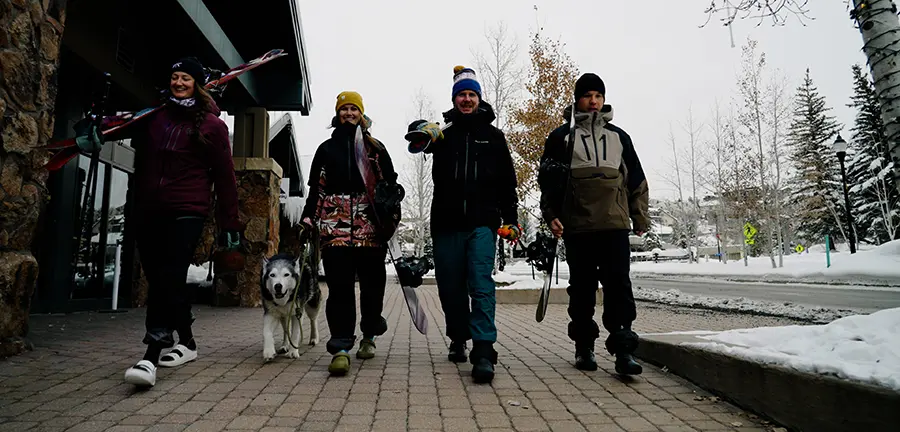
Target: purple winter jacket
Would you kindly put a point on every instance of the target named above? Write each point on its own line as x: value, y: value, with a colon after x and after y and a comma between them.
x: 174, y: 173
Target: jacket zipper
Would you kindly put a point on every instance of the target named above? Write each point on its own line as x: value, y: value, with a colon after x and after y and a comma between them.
x: 466, y: 178
x: 594, y: 137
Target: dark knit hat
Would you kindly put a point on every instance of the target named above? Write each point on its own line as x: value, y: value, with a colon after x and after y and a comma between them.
x: 192, y: 67
x: 589, y: 82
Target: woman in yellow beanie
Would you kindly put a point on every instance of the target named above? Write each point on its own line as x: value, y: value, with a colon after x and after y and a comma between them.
x: 353, y: 243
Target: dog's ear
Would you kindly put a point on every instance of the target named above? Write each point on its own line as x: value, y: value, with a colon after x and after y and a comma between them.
x: 265, y: 262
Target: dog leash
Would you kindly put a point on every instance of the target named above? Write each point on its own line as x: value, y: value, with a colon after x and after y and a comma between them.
x: 286, y: 323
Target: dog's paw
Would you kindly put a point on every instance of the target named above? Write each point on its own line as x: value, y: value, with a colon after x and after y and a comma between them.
x: 313, y: 341
x: 292, y: 353
x: 282, y: 350
x: 268, y: 354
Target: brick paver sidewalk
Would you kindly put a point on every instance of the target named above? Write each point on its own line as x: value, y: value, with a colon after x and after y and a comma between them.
x: 73, y: 380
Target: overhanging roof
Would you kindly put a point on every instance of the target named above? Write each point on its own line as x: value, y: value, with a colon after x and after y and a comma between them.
x: 283, y: 148
x: 257, y: 27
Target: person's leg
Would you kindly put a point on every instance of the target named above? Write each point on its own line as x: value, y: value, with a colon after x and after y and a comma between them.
x: 450, y: 274
x: 182, y: 239
x: 340, y: 308
x: 480, y: 266
x: 372, y: 281
x: 581, y: 257
x: 151, y: 245
x: 618, y: 300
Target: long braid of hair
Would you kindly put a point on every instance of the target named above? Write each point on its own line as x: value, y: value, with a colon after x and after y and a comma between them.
x: 204, y: 106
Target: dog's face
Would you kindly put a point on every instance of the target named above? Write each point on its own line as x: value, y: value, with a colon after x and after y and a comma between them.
x: 280, y: 278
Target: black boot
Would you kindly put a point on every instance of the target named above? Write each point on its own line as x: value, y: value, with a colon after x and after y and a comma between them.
x: 457, y: 352
x: 584, y: 360
x: 625, y: 365
x: 483, y: 359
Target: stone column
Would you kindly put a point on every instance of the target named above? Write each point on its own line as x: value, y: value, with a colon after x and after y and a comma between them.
x: 30, y: 32
x: 259, y: 189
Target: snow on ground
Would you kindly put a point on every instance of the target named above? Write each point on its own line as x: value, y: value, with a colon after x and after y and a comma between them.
x: 863, y: 348
x: 197, y: 275
x: 876, y: 266
x: 740, y: 304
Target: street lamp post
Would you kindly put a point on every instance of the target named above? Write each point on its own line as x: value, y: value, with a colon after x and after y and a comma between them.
x: 840, y: 147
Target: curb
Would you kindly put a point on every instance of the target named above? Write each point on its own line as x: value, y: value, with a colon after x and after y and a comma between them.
x: 798, y: 400
x: 855, y: 282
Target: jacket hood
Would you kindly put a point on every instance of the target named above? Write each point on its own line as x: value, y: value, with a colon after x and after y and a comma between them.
x: 484, y: 114
x: 606, y: 114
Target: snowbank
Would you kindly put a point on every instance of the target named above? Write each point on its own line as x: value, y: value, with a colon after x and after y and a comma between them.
x: 863, y: 348
x: 740, y: 304
x: 197, y: 275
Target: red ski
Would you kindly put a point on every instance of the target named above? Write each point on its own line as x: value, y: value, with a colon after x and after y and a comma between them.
x: 67, y: 149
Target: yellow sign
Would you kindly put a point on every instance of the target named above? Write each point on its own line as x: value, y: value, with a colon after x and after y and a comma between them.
x: 749, y: 231
x: 799, y: 248
x: 749, y: 241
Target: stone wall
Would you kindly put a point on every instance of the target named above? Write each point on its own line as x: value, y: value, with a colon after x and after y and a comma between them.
x: 30, y: 33
x: 259, y: 189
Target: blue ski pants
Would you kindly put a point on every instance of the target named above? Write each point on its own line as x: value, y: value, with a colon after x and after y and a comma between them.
x: 463, y: 264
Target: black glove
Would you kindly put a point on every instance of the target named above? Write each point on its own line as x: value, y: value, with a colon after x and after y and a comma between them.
x: 306, y: 232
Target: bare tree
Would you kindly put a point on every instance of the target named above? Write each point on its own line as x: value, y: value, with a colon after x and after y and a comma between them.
x: 501, y: 71
x: 684, y: 211
x: 879, y: 27
x: 750, y: 86
x: 716, y: 180
x: 417, y: 177
x: 779, y: 113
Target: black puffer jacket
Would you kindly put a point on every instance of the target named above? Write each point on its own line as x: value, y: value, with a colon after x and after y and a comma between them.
x: 473, y: 174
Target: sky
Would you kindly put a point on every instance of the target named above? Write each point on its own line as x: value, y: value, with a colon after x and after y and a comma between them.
x: 655, y: 59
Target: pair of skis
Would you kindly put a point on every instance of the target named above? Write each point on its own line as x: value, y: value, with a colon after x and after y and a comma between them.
x: 416, y: 311
x: 68, y: 149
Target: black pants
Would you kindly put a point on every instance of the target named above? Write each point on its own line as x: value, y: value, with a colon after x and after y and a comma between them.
x: 342, y: 264
x: 166, y: 247
x: 601, y: 258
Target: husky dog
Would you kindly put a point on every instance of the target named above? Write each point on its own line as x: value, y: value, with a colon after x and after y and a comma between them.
x: 283, y: 274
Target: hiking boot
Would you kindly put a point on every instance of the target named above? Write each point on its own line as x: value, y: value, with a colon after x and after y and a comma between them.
x: 340, y: 364
x: 482, y: 371
x: 585, y: 360
x: 625, y: 365
x: 483, y: 358
x: 366, y: 349
x: 457, y: 352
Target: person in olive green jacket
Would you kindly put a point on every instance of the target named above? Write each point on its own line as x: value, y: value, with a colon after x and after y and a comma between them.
x: 593, y: 192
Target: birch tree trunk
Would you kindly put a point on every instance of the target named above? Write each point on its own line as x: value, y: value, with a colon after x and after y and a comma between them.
x: 880, y: 29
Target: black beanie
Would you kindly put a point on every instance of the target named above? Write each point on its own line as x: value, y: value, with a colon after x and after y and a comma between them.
x: 589, y: 82
x: 192, y: 67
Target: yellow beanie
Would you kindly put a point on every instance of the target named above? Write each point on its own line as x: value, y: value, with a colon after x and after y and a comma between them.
x: 349, y: 97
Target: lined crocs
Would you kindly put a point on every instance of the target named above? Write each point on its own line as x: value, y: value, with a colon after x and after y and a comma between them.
x: 366, y: 349
x: 178, y: 356
x: 340, y: 364
x: 143, y: 374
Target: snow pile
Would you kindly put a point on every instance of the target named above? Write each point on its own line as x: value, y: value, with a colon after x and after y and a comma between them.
x: 874, y: 266
x: 863, y: 348
x: 197, y: 275
x: 740, y: 304
x: 538, y: 283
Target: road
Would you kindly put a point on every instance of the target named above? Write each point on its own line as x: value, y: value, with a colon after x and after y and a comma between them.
x: 830, y: 296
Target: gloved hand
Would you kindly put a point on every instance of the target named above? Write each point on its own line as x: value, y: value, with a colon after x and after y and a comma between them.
x: 421, y: 133
x: 230, y: 240
x: 510, y: 232
x: 306, y: 232
x: 87, y: 135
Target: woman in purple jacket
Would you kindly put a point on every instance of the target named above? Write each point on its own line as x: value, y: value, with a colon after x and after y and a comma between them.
x: 182, y: 151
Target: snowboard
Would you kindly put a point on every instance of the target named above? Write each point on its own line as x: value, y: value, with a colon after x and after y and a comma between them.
x: 67, y: 149
x: 544, y: 298
x: 416, y: 311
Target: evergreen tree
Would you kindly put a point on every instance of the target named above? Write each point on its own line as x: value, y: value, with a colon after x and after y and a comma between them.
x: 874, y: 197
x: 816, y: 187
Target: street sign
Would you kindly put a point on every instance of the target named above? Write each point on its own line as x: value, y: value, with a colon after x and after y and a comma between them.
x: 799, y: 248
x: 749, y: 241
x: 749, y: 231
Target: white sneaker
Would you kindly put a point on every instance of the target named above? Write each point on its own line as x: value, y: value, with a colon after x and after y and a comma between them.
x: 178, y: 356
x: 142, y: 374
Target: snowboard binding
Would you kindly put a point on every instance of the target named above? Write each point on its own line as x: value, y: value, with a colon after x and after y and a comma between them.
x: 541, y: 252
x: 410, y: 271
